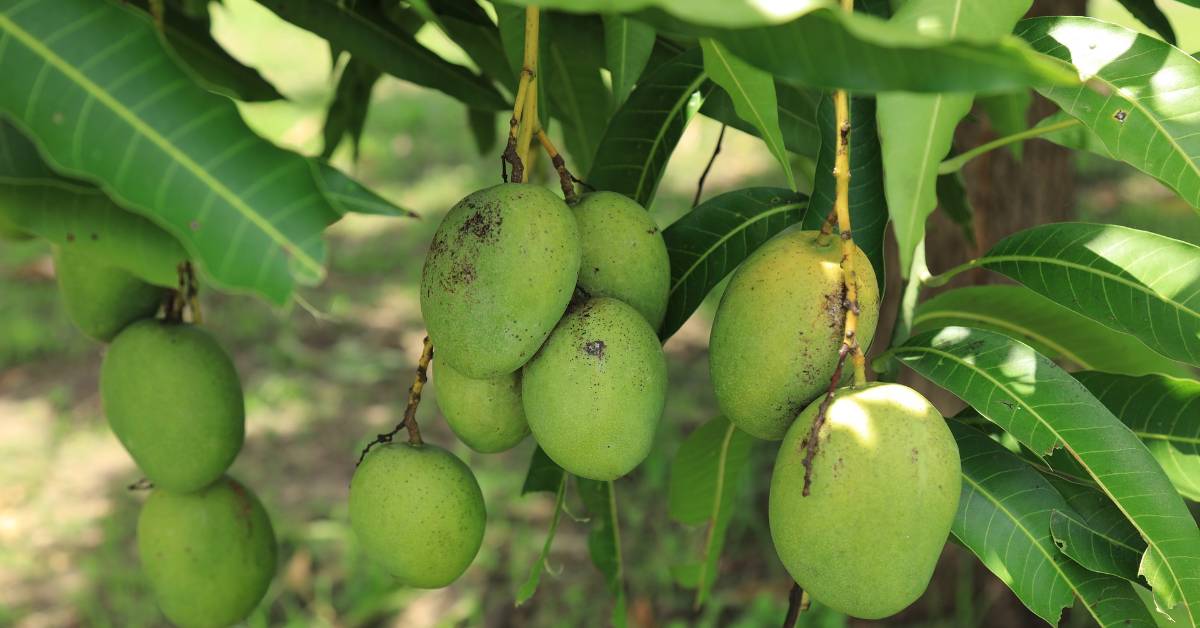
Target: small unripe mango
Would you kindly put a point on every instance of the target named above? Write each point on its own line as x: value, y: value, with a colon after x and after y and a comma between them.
x: 173, y: 399
x: 100, y: 299
x: 418, y: 511
x: 486, y: 414
x: 595, y: 391
x: 499, y: 274
x: 885, y: 488
x: 624, y: 255
x: 777, y: 331
x: 209, y: 555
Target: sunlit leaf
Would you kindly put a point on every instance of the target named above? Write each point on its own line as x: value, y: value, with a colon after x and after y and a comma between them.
x: 1094, y: 533
x: 797, y: 116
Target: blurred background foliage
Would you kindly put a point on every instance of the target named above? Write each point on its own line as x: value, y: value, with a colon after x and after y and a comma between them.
x: 325, y: 376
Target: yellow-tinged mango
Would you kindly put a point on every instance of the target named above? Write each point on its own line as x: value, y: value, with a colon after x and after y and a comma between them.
x: 778, y: 328
x: 101, y: 299
x: 486, y: 414
x: 885, y: 488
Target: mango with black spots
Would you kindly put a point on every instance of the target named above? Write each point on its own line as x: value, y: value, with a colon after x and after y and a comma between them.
x: 775, y: 338
x: 595, y: 392
x: 486, y: 414
x: 885, y: 487
x: 101, y: 299
x: 499, y: 274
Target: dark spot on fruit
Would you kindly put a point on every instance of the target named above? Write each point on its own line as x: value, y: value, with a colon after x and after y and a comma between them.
x: 652, y: 230
x: 594, y: 348
x: 595, y: 269
x: 483, y: 225
x: 913, y: 455
x: 834, y: 310
x: 70, y: 237
x: 95, y: 237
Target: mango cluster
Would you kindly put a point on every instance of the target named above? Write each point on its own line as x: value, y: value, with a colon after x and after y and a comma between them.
x: 885, y: 476
x: 543, y: 318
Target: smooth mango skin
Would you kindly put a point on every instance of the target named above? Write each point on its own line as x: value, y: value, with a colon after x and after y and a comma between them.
x: 624, y: 255
x: 418, y: 511
x: 499, y: 274
x: 595, y: 392
x: 885, y: 488
x: 100, y: 299
x: 209, y: 555
x: 486, y: 414
x: 173, y: 399
x: 777, y: 331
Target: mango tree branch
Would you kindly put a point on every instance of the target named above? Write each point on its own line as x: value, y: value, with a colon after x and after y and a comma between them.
x: 955, y: 163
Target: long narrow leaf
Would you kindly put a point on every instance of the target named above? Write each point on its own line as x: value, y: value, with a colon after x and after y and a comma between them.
x: 604, y: 541
x: 1094, y: 533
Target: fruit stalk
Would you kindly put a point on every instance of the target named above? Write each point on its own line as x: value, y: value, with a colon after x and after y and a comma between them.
x: 414, y: 393
x: 841, y: 203
x: 524, y: 117
x: 565, y: 179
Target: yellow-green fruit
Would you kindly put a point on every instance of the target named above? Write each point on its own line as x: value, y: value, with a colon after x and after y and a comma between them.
x: 885, y: 487
x: 100, y: 299
x: 499, y: 274
x: 486, y: 414
x: 595, y: 392
x: 418, y: 511
x: 209, y: 555
x: 778, y: 328
x: 624, y: 255
x: 173, y: 398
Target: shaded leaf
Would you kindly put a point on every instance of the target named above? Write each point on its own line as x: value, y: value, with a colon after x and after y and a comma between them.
x: 1148, y: 13
x: 627, y: 45
x: 797, y: 116
x: 543, y: 475
x: 709, y: 242
x: 483, y: 129
x: 529, y: 587
x: 604, y: 541
x: 347, y: 195
x: 952, y: 198
x: 721, y: 13
x: 1094, y: 533
x: 347, y: 114
x: 1008, y: 114
x: 472, y: 29
x: 578, y: 95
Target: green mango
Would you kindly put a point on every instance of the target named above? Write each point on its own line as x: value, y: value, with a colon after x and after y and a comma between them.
x: 885, y: 488
x: 778, y: 328
x: 418, y: 511
x: 595, y: 391
x: 624, y: 255
x: 101, y: 299
x: 173, y: 398
x: 486, y: 414
x: 209, y: 555
x: 499, y: 274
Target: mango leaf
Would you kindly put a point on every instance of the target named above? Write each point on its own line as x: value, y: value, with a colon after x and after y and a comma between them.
x: 1007, y: 114
x: 1148, y: 13
x: 797, y: 116
x: 347, y: 113
x: 868, y: 208
x: 953, y: 199
x: 1140, y: 96
x: 752, y: 92
x: 483, y: 129
x: 1051, y: 329
x: 364, y: 32
x: 720, y: 13
x: 709, y: 242
x: 106, y: 103
x: 579, y: 97
x: 349, y: 196
x: 705, y: 476
x: 916, y: 130
x: 1132, y: 281
x: 604, y: 541
x: 543, y: 475
x: 627, y: 45
x: 1044, y: 408
x: 1164, y: 412
x: 1094, y: 533
x: 529, y: 587
x: 472, y: 29
x: 642, y: 134
x: 1004, y: 519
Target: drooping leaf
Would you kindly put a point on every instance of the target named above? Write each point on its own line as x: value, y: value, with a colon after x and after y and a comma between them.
x: 1004, y: 519
x: 529, y: 587
x: 797, y: 116
x: 1094, y: 533
x: 705, y: 476
x: 752, y: 92
x: 1132, y: 281
x: 868, y: 207
x: 1148, y: 13
x: 364, y: 32
x: 108, y: 104
x: 952, y: 198
x: 627, y: 45
x: 578, y: 95
x: 1047, y: 326
x: 708, y: 243
x: 543, y: 475
x: 1164, y: 412
x: 1008, y: 113
x: 642, y: 134
x: 604, y: 541
x: 719, y: 13
x: 349, y: 196
x: 1044, y: 408
x: 483, y: 129
x: 347, y: 114
x: 473, y: 30
x: 1141, y: 98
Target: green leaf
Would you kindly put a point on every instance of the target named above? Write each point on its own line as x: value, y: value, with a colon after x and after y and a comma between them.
x: 347, y: 114
x: 1148, y: 13
x: 709, y: 242
x: 705, y: 476
x: 472, y: 29
x: 604, y: 540
x: 952, y: 198
x: 627, y: 46
x: 1140, y: 97
x: 1132, y: 281
x: 868, y: 208
x: 1044, y: 408
x: 1008, y: 114
x: 720, y: 13
x: 106, y: 103
x: 529, y: 587
x: 577, y: 92
x: 797, y: 116
x: 1050, y: 328
x: 1004, y: 518
x: 642, y: 134
x: 364, y: 32
x: 20, y: 162
x: 1165, y: 413
x: 753, y: 94
x: 347, y: 195
x: 916, y: 130
x: 543, y: 475
x: 483, y: 129
x: 1076, y: 136
x: 1094, y: 533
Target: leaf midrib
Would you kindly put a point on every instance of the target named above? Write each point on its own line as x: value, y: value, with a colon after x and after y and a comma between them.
x: 768, y: 137
x: 1004, y: 324
x: 721, y: 242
